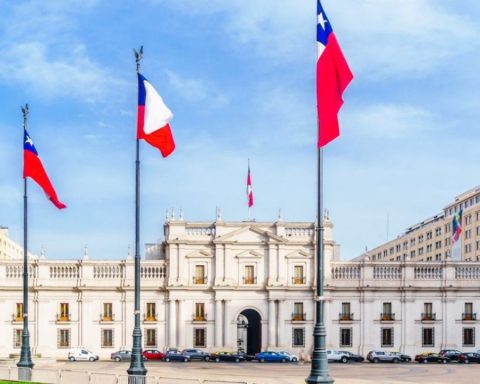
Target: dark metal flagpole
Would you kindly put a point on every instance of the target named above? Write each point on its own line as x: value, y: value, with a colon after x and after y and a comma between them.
x: 25, y: 363
x: 319, y: 370
x: 137, y: 371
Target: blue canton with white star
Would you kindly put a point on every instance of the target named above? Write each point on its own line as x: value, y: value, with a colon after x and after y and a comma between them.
x: 323, y: 25
x: 28, y: 143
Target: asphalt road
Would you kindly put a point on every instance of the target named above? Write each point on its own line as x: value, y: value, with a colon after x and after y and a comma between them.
x: 268, y: 373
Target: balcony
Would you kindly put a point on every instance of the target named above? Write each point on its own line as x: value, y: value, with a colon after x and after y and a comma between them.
x: 387, y: 317
x: 299, y: 316
x: 150, y: 317
x: 64, y: 318
x: 107, y: 318
x: 199, y: 317
x: 298, y: 280
x: 198, y: 280
x: 469, y: 316
x: 345, y: 316
x: 429, y: 316
x: 249, y: 280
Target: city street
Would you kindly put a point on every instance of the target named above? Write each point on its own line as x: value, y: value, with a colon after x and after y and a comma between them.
x: 255, y: 373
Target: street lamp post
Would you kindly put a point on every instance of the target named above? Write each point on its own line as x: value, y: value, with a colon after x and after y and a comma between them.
x: 25, y: 363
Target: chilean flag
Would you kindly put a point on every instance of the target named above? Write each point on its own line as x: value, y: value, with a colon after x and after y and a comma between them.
x: 333, y: 76
x: 456, y: 226
x: 33, y: 168
x: 153, y: 118
x: 249, y: 189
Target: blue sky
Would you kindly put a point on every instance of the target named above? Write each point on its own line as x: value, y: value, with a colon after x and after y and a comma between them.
x: 239, y: 77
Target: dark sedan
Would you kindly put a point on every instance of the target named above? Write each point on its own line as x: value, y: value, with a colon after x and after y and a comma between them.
x: 227, y: 356
x: 452, y: 354
x: 353, y: 357
x: 470, y: 357
x: 402, y: 357
x: 431, y: 358
x: 176, y: 356
x: 196, y: 354
x: 121, y: 356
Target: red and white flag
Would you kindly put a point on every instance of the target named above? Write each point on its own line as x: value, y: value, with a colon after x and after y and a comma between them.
x: 249, y: 189
x: 333, y: 76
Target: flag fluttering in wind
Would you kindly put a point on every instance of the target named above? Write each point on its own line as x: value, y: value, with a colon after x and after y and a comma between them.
x: 333, y: 76
x: 153, y: 118
x: 33, y: 168
x: 456, y: 226
x: 249, y: 189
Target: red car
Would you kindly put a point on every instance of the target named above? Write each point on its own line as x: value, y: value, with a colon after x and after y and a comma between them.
x: 153, y: 354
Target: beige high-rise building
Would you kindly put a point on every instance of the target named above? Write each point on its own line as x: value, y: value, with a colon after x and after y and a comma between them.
x: 10, y: 250
x: 431, y: 239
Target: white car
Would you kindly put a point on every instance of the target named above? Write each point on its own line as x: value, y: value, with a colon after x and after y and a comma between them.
x: 337, y: 356
x: 81, y: 353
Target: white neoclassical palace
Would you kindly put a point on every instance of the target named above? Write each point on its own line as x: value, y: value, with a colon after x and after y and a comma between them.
x: 249, y: 285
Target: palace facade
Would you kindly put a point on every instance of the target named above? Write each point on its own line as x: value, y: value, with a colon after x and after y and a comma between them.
x: 241, y: 285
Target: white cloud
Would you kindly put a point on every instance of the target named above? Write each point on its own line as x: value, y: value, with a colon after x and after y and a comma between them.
x: 388, y: 121
x: 196, y: 90
x: 73, y: 74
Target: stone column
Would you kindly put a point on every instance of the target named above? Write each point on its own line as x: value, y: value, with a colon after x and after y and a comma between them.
x: 172, y: 332
x: 271, y: 323
x: 218, y: 323
x: 281, y: 323
x: 227, y: 334
x: 181, y: 324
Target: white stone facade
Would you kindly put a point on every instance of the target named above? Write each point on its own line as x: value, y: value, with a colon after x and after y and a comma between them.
x: 206, y: 278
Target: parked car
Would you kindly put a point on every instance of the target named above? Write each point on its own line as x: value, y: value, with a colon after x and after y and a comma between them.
x: 382, y: 357
x: 227, y: 356
x: 431, y: 358
x: 336, y: 356
x: 452, y: 354
x: 153, y: 354
x: 470, y: 357
x: 173, y: 355
x: 352, y: 356
x: 270, y: 356
x: 291, y: 357
x: 247, y: 357
x: 81, y: 353
x: 196, y: 354
x: 403, y: 358
x: 123, y: 355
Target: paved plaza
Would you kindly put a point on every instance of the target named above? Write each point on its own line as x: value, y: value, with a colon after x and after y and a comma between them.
x: 255, y: 373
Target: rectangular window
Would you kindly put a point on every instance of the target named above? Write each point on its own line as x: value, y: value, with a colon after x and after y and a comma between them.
x: 387, y: 337
x: 107, y: 312
x: 151, y: 314
x: 17, y: 338
x: 412, y: 242
x: 468, y: 248
x: 420, y: 239
x: 199, y: 337
x: 298, y: 337
x: 468, y: 234
x: 397, y: 248
x: 298, y: 314
x: 19, y: 312
x: 468, y: 219
x: 345, y: 337
x: 428, y: 337
x: 468, y: 315
x: 468, y: 337
x: 429, y: 235
x: 63, y: 338
x: 438, y: 231
x: 150, y: 337
x: 447, y: 228
x: 346, y: 314
x: 199, y: 277
x: 107, y: 338
x: 420, y: 251
x: 199, y: 311
x: 64, y: 312
x: 298, y: 275
x: 249, y: 277
x: 412, y: 254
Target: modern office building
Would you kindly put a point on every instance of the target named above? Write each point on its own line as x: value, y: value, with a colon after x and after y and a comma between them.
x: 430, y: 240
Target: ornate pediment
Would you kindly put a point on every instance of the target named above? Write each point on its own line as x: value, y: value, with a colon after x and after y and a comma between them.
x: 298, y: 254
x: 198, y: 255
x: 250, y: 254
x: 250, y: 234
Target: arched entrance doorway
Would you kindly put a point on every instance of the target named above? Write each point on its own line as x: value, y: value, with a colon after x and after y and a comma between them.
x: 249, y: 331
